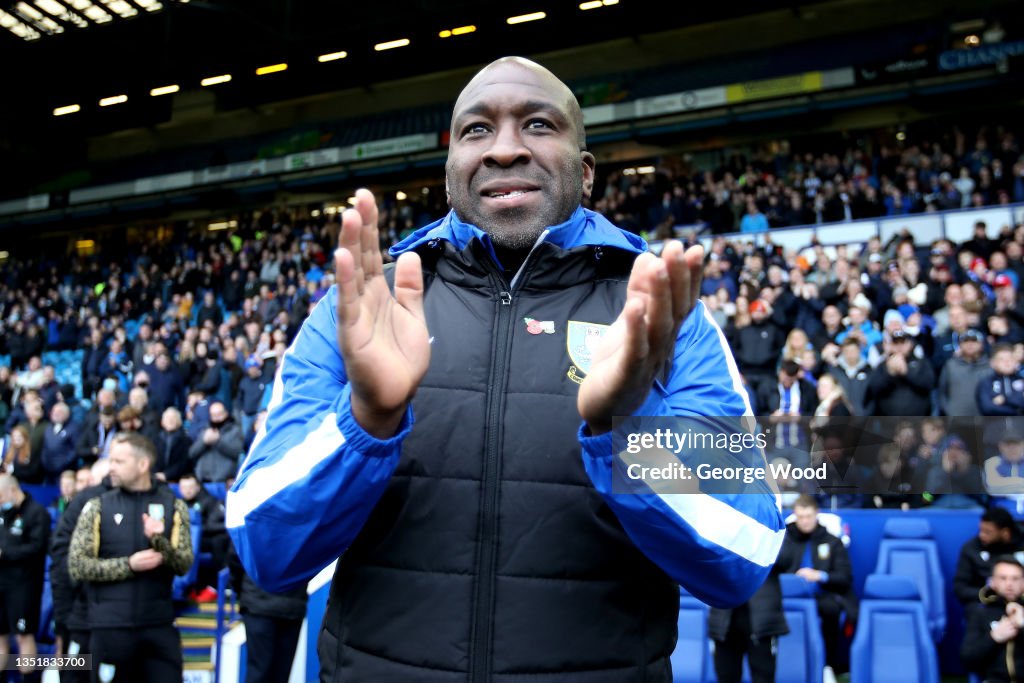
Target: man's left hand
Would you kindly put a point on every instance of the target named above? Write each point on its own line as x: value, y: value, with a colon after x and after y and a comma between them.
x: 152, y: 526
x: 641, y: 342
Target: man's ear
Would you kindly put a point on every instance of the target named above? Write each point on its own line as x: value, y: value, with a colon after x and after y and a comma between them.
x: 589, y: 164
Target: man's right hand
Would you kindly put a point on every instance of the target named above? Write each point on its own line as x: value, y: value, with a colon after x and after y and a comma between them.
x: 145, y: 560
x: 382, y: 337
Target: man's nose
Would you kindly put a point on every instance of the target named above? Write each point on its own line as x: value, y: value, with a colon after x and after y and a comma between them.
x: 507, y: 148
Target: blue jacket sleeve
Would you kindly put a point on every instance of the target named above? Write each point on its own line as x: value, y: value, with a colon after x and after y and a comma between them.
x: 312, y: 475
x: 719, y: 546
x: 985, y: 396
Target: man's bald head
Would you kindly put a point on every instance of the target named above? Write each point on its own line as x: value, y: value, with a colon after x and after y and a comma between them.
x: 517, y: 162
x: 8, y: 483
x: 493, y: 73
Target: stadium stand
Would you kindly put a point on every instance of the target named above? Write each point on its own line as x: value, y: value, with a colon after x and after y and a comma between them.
x: 877, y: 210
x: 156, y: 296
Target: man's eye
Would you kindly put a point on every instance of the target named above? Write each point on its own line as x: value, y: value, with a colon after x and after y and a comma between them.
x: 474, y: 129
x: 538, y: 124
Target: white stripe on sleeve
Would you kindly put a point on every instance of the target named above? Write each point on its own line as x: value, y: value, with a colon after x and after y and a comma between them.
x: 264, y: 483
x: 727, y: 527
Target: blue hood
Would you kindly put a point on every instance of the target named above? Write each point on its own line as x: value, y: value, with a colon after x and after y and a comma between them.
x: 584, y: 228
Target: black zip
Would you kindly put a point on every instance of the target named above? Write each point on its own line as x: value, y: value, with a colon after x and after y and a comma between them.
x: 136, y: 587
x: 483, y: 612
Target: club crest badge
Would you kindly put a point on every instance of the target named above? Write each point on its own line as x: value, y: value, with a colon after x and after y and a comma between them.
x: 117, y: 518
x: 582, y: 340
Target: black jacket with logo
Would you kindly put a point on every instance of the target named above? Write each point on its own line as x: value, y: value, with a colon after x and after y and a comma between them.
x: 828, y: 554
x: 110, y: 530
x: 995, y: 662
x: 974, y: 566
x: 553, y: 583
x: 24, y: 536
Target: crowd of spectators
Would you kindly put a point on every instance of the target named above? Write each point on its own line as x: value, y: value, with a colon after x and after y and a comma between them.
x: 779, y: 185
x: 180, y: 341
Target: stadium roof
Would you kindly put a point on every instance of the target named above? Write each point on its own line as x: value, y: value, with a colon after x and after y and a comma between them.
x: 163, y: 74
x: 85, y: 54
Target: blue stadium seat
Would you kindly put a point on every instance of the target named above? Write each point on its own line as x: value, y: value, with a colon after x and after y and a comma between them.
x: 908, y: 549
x: 691, y: 660
x: 801, y: 656
x: 893, y: 643
x: 182, y: 584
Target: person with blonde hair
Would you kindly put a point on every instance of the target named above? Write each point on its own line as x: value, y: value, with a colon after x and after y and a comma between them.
x: 832, y: 400
x: 796, y: 343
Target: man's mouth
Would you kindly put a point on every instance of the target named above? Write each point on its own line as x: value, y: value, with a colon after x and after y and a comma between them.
x: 507, y: 189
x: 510, y: 193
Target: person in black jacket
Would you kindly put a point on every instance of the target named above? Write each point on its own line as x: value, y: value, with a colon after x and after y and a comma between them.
x: 92, y: 362
x: 128, y: 544
x: 811, y: 552
x: 94, y: 442
x: 214, y: 539
x: 998, y: 535
x: 70, y: 606
x: 24, y: 535
x: 779, y: 398
x: 993, y: 645
x: 752, y: 629
x: 172, y: 445
x: 19, y: 459
x: 59, y: 452
x: 251, y: 389
x: 757, y: 345
x: 902, y: 384
x: 272, y: 625
x: 166, y: 385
